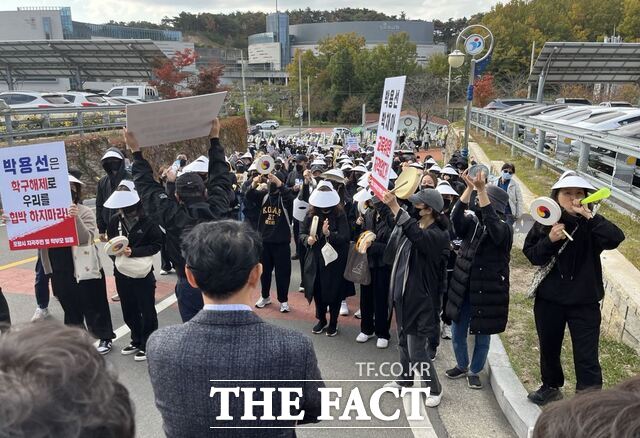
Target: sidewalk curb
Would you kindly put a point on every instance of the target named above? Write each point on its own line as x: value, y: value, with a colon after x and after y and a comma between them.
x: 509, y: 391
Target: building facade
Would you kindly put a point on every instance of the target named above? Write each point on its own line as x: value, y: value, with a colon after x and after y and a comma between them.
x: 307, y: 36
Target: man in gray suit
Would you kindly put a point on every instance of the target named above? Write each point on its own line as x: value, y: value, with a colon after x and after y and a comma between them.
x: 226, y: 345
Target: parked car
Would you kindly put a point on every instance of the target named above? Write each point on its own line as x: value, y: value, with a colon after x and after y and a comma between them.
x: 573, y: 101
x: 608, y: 121
x: 499, y: 104
x: 141, y: 92
x: 632, y: 130
x: 121, y: 100
x: 82, y: 98
x: 268, y: 124
x: 30, y: 99
x: 618, y: 104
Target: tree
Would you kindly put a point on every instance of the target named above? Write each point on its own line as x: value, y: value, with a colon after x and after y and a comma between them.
x: 438, y: 65
x: 208, y: 79
x: 483, y: 90
x: 421, y: 93
x: 170, y: 73
x: 513, y: 84
x: 630, y: 25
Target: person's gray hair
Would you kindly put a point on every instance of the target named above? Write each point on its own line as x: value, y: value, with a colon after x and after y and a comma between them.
x: 54, y: 383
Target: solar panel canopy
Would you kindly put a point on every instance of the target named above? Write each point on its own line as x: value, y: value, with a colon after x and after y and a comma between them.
x: 588, y: 63
x: 89, y: 59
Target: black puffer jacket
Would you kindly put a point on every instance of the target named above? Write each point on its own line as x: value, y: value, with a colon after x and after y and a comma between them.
x: 576, y: 277
x: 106, y: 186
x: 177, y: 218
x: 481, y: 269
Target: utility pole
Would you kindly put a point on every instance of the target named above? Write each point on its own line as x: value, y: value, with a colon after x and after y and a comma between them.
x: 244, y: 93
x: 300, y: 86
x: 308, y: 102
x: 533, y: 51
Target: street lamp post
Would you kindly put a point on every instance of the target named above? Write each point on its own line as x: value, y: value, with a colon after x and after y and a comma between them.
x: 477, y: 42
x: 455, y: 59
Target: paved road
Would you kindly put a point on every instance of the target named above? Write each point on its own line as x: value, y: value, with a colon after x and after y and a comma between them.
x: 463, y: 412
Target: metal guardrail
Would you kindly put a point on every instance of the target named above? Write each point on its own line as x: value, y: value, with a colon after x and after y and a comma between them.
x: 37, y: 122
x: 602, y: 158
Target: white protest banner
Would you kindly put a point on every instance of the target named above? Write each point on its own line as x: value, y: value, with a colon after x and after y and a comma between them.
x: 387, y: 132
x: 352, y: 144
x: 168, y: 121
x: 34, y: 187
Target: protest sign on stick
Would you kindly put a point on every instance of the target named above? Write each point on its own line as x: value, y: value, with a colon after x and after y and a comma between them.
x: 390, y: 108
x: 34, y: 187
x: 168, y: 121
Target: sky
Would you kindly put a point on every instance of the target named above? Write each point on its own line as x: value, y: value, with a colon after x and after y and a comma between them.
x: 102, y: 11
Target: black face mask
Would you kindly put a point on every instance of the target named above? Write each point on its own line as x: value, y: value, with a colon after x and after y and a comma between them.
x: 447, y: 204
x: 299, y: 167
x: 75, y: 197
x: 112, y: 166
x: 278, y: 166
x: 240, y: 168
x: 183, y: 163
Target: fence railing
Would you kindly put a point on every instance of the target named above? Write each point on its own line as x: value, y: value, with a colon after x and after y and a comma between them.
x: 18, y: 124
x: 604, y: 159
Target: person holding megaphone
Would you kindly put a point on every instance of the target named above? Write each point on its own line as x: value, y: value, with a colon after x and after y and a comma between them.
x: 570, y: 292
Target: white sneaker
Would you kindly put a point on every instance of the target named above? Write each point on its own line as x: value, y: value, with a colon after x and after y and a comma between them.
x: 163, y: 272
x: 446, y: 331
x: 263, y: 302
x: 301, y: 289
x: 284, y: 307
x: 363, y: 337
x: 433, y: 400
x: 344, y: 309
x: 382, y: 343
x: 115, y: 297
x: 358, y: 314
x: 40, y: 314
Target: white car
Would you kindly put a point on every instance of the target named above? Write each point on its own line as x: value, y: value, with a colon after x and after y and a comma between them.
x: 145, y: 93
x: 268, y: 124
x: 30, y: 99
x: 612, y: 120
x: 121, y: 100
x: 82, y: 98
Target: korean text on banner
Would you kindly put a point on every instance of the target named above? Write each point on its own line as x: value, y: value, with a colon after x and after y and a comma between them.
x: 387, y: 132
x: 168, y: 121
x: 36, y: 197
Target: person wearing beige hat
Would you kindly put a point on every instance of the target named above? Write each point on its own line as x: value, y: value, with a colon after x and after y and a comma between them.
x: 570, y: 294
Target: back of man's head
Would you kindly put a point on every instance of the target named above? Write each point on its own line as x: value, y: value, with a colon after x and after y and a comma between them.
x: 54, y: 383
x: 221, y: 256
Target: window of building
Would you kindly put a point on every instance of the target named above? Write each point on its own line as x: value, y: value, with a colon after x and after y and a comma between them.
x: 46, y: 26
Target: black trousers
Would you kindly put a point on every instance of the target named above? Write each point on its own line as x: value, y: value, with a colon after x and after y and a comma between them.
x: 584, y: 327
x: 278, y: 256
x: 137, y: 298
x: 414, y: 358
x: 321, y: 306
x: 300, y: 248
x: 5, y: 317
x: 445, y: 299
x: 82, y: 302
x: 374, y: 304
x: 166, y: 263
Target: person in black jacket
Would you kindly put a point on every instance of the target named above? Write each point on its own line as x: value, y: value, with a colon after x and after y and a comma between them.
x: 478, y: 295
x: 374, y: 297
x: 274, y: 226
x: 419, y: 267
x: 114, y: 165
x: 137, y: 295
x: 324, y: 283
x: 571, y: 291
x: 194, y: 203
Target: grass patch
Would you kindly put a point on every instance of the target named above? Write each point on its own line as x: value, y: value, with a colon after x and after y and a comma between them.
x: 619, y: 362
x: 539, y: 181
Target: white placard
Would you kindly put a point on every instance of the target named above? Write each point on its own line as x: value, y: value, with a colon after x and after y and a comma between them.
x: 390, y: 108
x: 34, y: 186
x: 352, y: 144
x: 168, y: 121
